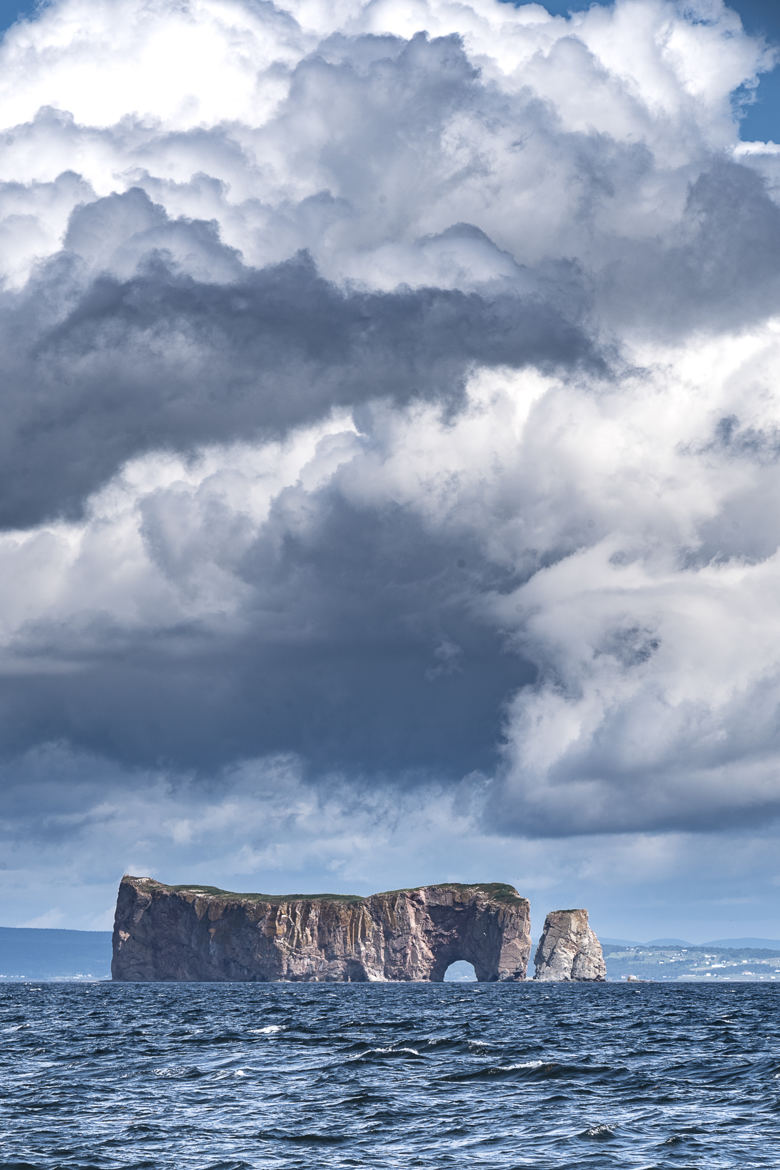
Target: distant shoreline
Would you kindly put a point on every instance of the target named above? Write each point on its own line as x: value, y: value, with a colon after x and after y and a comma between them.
x: 60, y: 955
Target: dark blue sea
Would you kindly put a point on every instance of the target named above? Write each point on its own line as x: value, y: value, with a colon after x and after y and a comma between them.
x: 240, y: 1076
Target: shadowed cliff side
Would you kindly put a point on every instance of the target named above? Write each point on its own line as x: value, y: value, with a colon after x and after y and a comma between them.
x: 568, y: 950
x: 204, y: 934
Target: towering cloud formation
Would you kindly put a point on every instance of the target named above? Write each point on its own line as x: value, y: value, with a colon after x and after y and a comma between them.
x: 392, y: 384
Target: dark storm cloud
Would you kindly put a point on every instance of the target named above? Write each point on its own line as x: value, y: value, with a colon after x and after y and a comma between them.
x: 359, y: 650
x: 164, y: 361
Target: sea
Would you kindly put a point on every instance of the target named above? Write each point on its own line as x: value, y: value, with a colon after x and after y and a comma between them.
x: 452, y: 1075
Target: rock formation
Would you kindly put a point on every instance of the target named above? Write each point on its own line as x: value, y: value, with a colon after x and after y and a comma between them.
x: 201, y: 933
x: 568, y: 950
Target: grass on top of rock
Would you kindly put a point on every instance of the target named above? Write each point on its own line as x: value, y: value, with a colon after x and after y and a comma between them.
x: 499, y: 891
x: 216, y: 892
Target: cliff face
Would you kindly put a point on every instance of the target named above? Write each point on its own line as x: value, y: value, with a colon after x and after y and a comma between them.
x: 199, y: 933
x: 568, y: 950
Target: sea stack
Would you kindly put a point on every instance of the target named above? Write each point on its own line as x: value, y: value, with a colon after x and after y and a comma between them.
x: 568, y: 950
x: 201, y: 933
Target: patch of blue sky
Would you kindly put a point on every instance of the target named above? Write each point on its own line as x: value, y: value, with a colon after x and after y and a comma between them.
x: 761, y: 121
x: 12, y: 10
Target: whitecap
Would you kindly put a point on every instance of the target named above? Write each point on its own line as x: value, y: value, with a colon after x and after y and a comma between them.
x: 598, y: 1131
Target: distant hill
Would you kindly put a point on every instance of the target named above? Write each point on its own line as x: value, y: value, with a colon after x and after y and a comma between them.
x: 737, y: 944
x: 763, y: 944
x: 28, y: 953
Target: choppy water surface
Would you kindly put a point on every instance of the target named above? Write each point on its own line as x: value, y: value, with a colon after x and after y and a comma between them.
x: 233, y: 1076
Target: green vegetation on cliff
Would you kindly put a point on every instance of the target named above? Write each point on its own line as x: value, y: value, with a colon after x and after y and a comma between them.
x: 498, y: 891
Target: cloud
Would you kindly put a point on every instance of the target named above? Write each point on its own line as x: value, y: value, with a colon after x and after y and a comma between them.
x: 654, y: 640
x: 401, y: 403
x: 165, y: 361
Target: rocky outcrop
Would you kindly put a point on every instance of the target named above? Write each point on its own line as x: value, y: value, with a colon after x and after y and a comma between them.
x: 201, y: 933
x: 568, y: 950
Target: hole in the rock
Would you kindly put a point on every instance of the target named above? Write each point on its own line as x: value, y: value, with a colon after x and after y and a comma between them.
x: 460, y: 972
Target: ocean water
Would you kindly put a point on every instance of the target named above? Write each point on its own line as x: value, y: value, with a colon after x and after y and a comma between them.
x: 234, y: 1076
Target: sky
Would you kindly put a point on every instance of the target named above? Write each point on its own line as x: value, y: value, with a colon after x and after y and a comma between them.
x: 389, y: 469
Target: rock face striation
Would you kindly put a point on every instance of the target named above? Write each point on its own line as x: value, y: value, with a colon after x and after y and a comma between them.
x: 201, y: 933
x: 568, y: 950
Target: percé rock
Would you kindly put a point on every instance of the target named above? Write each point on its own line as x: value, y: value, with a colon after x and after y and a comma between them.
x: 568, y: 950
x: 204, y: 934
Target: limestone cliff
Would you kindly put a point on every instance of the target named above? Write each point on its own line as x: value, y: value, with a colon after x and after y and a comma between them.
x: 201, y: 933
x: 568, y: 950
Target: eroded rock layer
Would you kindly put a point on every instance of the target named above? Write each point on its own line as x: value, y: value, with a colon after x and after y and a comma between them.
x: 200, y: 933
x: 568, y: 950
